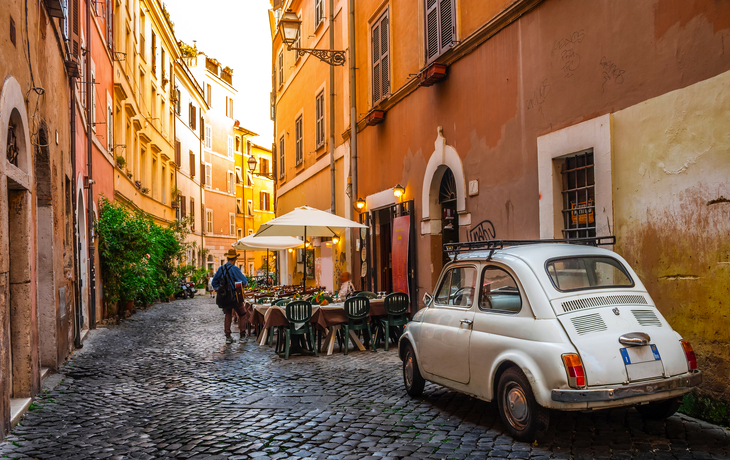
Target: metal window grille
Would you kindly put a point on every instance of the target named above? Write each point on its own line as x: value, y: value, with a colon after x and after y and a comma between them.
x: 579, y: 196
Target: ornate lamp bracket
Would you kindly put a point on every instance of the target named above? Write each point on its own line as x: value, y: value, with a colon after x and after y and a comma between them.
x: 331, y: 57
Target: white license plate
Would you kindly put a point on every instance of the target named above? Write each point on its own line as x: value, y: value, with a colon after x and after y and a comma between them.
x: 642, y: 362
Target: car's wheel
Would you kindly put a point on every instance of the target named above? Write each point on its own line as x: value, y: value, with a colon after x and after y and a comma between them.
x: 411, y: 374
x: 521, y: 414
x: 659, y: 410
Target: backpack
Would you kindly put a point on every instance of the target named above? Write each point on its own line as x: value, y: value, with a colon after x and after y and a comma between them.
x: 225, y: 297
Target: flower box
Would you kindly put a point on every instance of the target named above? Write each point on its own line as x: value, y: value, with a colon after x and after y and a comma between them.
x: 433, y: 74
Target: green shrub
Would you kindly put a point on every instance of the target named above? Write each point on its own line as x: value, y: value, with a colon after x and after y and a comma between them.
x: 138, y: 257
x: 706, y: 408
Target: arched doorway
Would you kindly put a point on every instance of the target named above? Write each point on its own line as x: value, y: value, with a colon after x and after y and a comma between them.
x: 46, y: 300
x: 83, y: 258
x: 449, y: 216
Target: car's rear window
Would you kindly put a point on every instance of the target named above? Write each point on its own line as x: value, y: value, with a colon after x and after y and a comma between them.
x: 579, y: 273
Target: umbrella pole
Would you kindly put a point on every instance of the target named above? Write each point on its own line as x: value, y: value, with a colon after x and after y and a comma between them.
x: 304, y: 281
x: 267, y: 267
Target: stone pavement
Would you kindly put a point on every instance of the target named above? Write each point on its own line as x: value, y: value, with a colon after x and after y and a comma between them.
x: 164, y: 385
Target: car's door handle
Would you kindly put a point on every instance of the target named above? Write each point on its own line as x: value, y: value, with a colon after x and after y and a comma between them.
x: 468, y: 322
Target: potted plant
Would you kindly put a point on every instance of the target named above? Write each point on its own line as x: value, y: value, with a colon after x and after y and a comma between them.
x: 144, y: 190
x: 121, y: 161
x: 129, y: 173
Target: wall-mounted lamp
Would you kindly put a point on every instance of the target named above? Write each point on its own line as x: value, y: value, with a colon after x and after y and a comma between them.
x: 335, y: 239
x: 360, y: 203
x: 398, y: 191
x: 291, y: 250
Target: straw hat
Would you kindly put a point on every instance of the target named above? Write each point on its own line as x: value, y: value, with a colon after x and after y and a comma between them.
x: 232, y: 254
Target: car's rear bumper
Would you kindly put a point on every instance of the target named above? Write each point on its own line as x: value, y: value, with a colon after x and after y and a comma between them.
x: 588, y: 395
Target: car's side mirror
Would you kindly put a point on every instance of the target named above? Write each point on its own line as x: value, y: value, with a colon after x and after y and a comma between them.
x: 427, y: 299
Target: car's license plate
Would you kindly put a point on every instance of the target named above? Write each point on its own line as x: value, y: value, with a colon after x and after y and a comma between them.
x: 642, y: 362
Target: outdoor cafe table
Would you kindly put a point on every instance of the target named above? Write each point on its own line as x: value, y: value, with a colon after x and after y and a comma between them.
x: 326, y: 318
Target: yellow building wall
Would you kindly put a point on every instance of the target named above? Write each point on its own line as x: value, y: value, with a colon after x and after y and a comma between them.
x: 671, y: 160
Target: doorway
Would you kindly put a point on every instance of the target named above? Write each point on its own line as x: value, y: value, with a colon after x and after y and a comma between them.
x: 83, y: 261
x: 449, y: 216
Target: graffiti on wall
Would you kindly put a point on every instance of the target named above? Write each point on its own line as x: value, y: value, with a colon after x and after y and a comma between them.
x: 483, y: 231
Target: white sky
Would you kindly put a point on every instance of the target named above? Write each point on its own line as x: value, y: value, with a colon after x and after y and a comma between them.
x: 236, y: 32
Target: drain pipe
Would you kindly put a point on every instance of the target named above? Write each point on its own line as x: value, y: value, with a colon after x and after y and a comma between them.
x: 353, y: 103
x: 333, y: 209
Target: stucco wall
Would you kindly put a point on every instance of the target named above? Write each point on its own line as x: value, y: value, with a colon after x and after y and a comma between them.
x: 671, y: 192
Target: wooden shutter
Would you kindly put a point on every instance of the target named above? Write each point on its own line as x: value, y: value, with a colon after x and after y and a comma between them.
x: 192, y: 164
x: 178, y: 156
x: 381, y: 58
x: 202, y: 127
x: 182, y: 206
x: 74, y: 20
x: 202, y: 173
x: 440, y: 27
x: 261, y: 200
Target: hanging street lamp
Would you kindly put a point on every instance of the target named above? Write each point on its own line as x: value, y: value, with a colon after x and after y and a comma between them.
x: 289, y: 27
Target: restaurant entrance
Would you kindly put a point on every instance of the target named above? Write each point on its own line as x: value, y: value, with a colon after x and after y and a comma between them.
x: 387, y: 250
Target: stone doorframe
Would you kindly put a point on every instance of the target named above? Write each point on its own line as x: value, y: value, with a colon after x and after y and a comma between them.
x: 444, y: 156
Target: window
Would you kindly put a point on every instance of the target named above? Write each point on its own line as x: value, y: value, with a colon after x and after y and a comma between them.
x: 579, y: 196
x: 250, y: 232
x: 208, y: 137
x: 239, y: 205
x: 92, y: 102
x: 231, y: 223
x: 319, y: 106
x: 249, y: 179
x: 239, y: 178
x: 209, y: 95
x: 110, y: 129
x: 580, y: 273
x: 265, y: 201
x: 281, y: 67
x: 238, y: 143
x: 240, y: 235
x: 264, y: 166
x: 298, y: 41
x: 249, y: 207
x: 318, y: 12
x: 183, y: 204
x: 178, y: 104
x: 192, y: 214
x: 281, y: 157
x: 192, y: 116
x: 299, y: 147
x: 208, y: 175
x: 230, y: 146
x: 192, y: 164
x: 381, y: 58
x: 209, y: 221
x: 230, y: 182
x: 499, y: 291
x: 142, y: 49
x: 153, y: 55
x: 457, y: 287
x: 440, y: 27
x: 229, y: 107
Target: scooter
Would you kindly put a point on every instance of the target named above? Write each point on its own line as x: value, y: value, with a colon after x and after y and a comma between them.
x: 186, y: 290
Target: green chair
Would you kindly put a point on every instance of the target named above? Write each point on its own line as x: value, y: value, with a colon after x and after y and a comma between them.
x: 264, y: 300
x: 396, y: 305
x: 357, y: 310
x: 298, y: 311
x: 282, y: 302
x: 366, y: 294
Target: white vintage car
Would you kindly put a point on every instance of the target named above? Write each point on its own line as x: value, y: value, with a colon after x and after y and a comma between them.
x: 546, y: 326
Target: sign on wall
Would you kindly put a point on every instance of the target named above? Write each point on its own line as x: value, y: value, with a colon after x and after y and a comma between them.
x: 401, y: 232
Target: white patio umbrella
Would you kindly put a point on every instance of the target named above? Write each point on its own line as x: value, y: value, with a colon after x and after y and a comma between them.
x: 307, y: 221
x: 260, y: 243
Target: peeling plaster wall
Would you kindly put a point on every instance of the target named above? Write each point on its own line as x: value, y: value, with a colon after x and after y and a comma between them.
x: 671, y: 191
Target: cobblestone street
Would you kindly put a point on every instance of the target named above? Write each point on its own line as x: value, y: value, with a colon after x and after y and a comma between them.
x: 164, y: 385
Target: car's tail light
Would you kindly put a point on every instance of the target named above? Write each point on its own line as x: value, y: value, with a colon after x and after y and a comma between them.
x: 574, y: 368
x: 689, y: 353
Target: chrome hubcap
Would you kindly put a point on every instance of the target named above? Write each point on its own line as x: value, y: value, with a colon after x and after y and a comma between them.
x: 515, y: 406
x: 408, y: 370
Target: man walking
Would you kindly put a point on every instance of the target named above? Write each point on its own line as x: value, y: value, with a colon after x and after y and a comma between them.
x: 224, y: 283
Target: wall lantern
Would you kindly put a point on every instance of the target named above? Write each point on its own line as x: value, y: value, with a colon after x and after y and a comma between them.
x: 398, y: 191
x: 289, y: 26
x: 360, y: 203
x: 252, y: 163
x: 291, y: 250
x: 335, y: 239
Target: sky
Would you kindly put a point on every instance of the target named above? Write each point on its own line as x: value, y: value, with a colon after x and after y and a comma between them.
x: 237, y: 33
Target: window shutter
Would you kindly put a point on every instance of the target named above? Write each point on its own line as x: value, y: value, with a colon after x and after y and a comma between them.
x: 202, y: 175
x: 178, y: 157
x: 192, y: 164
x: 384, y: 57
x: 261, y: 200
x: 75, y: 28
x: 376, y: 63
x: 182, y: 206
x: 432, y: 32
x: 446, y: 26
x: 231, y: 108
